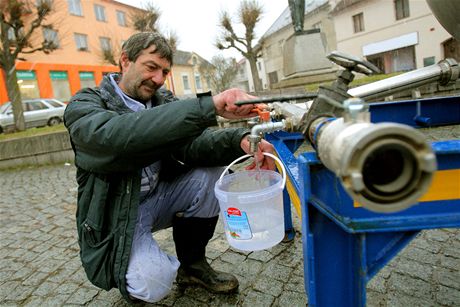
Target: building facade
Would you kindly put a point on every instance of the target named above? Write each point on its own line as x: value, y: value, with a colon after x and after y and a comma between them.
x: 186, y: 78
x: 399, y: 35
x: 86, y: 31
x: 273, y: 41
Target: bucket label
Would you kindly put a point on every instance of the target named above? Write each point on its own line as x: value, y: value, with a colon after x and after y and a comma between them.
x: 238, y: 224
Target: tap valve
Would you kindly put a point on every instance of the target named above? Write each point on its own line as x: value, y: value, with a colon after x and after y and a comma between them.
x: 256, y: 133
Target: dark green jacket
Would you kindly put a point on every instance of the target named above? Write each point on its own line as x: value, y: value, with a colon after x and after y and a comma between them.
x: 112, y: 144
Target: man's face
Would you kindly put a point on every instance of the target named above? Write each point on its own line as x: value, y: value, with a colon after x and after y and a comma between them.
x: 142, y: 78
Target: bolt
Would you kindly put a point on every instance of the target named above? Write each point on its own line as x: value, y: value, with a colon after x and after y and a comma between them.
x: 354, y: 107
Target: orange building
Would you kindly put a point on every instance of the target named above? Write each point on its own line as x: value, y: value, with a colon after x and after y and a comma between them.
x: 84, y: 29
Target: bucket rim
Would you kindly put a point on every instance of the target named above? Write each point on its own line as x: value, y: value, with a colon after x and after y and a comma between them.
x: 277, y: 185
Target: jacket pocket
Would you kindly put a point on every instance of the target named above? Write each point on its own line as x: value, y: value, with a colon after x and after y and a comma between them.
x: 97, y: 236
x: 97, y: 256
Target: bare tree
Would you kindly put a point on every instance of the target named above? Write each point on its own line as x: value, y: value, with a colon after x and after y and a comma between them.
x: 249, y: 14
x: 221, y: 72
x: 19, y: 20
x: 145, y: 20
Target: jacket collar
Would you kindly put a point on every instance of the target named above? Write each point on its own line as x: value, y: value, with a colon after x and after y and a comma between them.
x: 115, y: 102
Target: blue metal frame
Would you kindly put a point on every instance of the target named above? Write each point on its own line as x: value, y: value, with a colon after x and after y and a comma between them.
x: 345, y: 246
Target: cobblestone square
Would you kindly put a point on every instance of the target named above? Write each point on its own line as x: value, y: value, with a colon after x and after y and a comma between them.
x: 40, y: 266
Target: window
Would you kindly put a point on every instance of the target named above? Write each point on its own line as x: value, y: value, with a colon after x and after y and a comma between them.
x: 194, y: 61
x: 428, y: 61
x: 60, y: 85
x: 99, y: 11
x: 185, y: 82
x: 401, y: 9
x: 49, y: 35
x: 86, y: 79
x: 105, y: 44
x: 358, y: 22
x: 259, y: 68
x: 75, y: 7
x: 121, y: 18
x: 11, y: 35
x: 28, y: 84
x: 198, y: 81
x: 36, y: 105
x: 273, y: 77
x: 81, y: 41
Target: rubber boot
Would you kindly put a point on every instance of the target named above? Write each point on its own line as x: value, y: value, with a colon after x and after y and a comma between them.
x: 191, y: 235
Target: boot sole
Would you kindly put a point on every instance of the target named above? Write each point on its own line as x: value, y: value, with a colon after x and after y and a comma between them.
x: 193, y: 281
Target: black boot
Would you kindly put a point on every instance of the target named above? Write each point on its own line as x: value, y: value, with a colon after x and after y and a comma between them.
x: 191, y: 235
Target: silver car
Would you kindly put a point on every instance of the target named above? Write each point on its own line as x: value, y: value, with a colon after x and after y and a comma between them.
x: 37, y: 113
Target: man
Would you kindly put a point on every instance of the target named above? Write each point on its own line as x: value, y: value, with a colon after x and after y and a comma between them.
x: 145, y: 162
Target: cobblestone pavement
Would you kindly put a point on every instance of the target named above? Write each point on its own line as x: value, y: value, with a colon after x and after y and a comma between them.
x: 40, y: 266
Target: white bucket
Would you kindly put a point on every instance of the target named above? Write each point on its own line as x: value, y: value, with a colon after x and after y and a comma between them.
x: 251, y: 204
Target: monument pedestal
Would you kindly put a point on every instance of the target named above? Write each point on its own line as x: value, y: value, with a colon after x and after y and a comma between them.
x: 305, y: 52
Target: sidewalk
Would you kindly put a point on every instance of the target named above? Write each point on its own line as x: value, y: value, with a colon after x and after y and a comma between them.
x: 40, y: 266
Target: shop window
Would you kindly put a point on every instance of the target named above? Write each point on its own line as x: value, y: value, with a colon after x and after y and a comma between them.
x: 87, y: 79
x: 358, y: 22
x: 60, y: 85
x: 398, y: 60
x: 28, y: 85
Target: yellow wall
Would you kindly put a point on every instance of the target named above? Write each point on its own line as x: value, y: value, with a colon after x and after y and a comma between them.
x: 190, y: 70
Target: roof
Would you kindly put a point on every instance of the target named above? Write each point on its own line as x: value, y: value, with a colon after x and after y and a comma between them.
x: 285, y: 18
x: 184, y: 58
x: 341, y: 5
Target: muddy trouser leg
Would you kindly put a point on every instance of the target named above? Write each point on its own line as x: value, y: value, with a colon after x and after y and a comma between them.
x: 151, y: 272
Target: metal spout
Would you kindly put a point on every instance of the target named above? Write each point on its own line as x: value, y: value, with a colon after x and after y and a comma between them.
x: 256, y: 133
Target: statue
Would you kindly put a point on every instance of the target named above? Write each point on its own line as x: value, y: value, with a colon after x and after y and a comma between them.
x: 297, y: 8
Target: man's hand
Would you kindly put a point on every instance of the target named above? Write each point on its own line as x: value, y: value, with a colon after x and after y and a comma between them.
x: 264, y: 161
x: 225, y: 104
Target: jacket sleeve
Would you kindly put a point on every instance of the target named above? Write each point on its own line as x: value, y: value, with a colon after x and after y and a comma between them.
x: 106, y: 141
x: 213, y: 148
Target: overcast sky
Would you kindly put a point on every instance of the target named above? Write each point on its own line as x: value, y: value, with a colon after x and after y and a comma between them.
x: 195, y: 21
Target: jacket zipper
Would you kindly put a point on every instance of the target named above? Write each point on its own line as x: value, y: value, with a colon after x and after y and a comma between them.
x: 123, y: 236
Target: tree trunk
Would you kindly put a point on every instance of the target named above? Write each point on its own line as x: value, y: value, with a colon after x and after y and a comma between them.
x: 255, y: 75
x: 15, y: 96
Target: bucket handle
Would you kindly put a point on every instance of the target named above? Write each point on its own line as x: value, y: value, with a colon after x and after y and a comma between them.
x: 249, y: 155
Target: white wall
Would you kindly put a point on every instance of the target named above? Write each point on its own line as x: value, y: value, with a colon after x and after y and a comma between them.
x: 380, y: 24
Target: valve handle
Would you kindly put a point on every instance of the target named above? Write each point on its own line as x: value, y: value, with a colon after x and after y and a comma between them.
x: 353, y: 63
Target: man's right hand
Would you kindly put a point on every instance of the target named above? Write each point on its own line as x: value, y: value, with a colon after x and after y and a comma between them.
x: 225, y: 104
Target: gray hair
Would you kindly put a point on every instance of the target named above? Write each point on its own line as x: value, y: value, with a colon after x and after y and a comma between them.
x: 134, y: 45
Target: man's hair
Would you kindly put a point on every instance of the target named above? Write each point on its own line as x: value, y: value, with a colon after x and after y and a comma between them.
x: 134, y: 45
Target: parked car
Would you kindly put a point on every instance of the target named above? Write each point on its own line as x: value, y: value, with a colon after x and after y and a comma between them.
x: 37, y: 113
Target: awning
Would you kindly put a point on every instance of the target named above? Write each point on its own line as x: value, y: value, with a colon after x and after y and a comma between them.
x: 391, y: 44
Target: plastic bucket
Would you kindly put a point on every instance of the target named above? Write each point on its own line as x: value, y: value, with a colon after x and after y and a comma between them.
x: 251, y: 204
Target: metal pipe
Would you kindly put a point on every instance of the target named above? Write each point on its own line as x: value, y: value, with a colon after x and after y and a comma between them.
x: 385, y: 167
x: 445, y: 71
